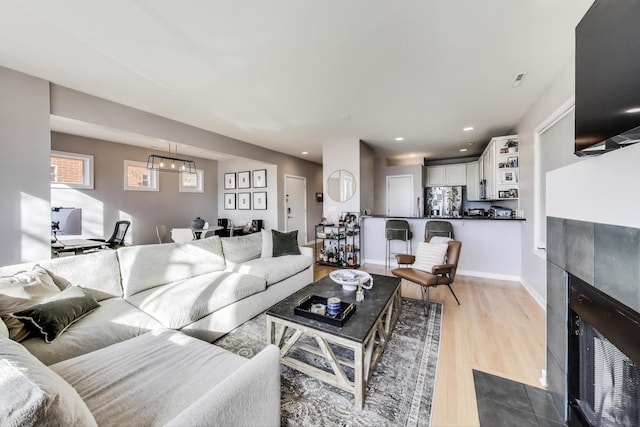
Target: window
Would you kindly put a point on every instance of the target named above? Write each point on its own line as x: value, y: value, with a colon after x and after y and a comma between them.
x: 192, y: 182
x: 71, y: 170
x: 138, y: 178
x: 554, y: 148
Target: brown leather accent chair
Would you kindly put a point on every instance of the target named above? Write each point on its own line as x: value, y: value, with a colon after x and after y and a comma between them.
x: 443, y: 274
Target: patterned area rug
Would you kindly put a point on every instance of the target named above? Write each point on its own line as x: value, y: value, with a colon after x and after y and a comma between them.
x: 399, y: 393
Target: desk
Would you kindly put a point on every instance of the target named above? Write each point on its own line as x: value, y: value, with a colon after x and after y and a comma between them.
x: 77, y: 246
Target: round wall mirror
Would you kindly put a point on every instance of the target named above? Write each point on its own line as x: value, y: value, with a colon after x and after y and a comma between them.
x: 341, y: 185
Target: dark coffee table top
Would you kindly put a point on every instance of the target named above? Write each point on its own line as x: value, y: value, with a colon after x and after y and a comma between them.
x: 358, y: 326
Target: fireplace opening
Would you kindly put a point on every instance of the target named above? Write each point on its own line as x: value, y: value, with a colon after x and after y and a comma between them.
x: 603, y: 359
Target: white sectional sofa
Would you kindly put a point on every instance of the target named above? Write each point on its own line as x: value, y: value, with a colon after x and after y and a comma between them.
x: 142, y: 357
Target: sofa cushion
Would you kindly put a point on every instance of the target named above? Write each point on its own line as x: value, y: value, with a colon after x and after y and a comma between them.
x: 181, y: 303
x: 20, y: 291
x: 114, y: 321
x: 267, y: 244
x: 285, y: 243
x: 32, y: 394
x: 99, y: 272
x: 55, y: 314
x: 242, y: 248
x: 148, y: 380
x: 273, y: 270
x: 148, y: 266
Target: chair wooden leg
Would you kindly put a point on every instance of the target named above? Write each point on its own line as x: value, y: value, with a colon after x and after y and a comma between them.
x: 454, y: 294
x: 426, y: 305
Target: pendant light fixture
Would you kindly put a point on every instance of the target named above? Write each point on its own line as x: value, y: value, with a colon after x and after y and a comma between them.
x: 171, y: 164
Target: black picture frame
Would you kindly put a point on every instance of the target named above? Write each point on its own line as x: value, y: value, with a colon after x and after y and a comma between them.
x: 244, y: 179
x: 244, y: 201
x: 230, y: 201
x: 230, y: 181
x: 259, y: 178
x: 260, y: 200
x: 319, y: 197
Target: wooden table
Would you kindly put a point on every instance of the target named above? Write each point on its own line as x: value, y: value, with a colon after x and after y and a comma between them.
x: 366, y: 333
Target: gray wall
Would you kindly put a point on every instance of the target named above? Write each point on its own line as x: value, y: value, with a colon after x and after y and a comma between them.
x: 79, y: 106
x: 533, y: 266
x: 108, y: 202
x: 367, y: 170
x: 382, y: 171
x: 24, y: 175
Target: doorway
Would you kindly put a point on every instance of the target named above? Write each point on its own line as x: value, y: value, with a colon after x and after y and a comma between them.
x: 295, y: 206
x: 400, y: 195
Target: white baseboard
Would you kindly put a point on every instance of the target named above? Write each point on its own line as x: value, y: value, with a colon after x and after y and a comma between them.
x: 536, y: 296
x: 486, y: 275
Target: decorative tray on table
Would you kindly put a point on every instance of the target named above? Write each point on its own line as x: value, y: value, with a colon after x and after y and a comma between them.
x: 304, y: 309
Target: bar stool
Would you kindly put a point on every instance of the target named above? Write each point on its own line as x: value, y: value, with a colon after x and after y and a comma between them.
x: 396, y: 229
x: 438, y: 228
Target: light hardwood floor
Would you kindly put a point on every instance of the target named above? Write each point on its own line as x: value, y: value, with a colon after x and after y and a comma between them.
x: 499, y: 328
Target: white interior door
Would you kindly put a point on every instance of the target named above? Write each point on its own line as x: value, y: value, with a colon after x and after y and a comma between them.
x: 400, y: 195
x: 295, y: 206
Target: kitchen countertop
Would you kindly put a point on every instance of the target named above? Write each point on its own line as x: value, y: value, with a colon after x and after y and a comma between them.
x: 474, y: 218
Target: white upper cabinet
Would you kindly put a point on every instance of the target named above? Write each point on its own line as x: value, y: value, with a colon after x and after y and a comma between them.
x: 473, y: 181
x: 500, y: 170
x: 447, y: 175
x: 435, y: 176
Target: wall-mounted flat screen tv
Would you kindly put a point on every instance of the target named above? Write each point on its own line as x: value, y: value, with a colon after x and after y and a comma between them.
x: 608, y: 77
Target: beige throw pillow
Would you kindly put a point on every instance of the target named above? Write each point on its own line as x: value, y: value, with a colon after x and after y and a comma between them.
x: 21, y: 291
x: 430, y: 254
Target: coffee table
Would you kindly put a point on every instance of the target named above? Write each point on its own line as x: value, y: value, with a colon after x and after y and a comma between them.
x: 366, y: 332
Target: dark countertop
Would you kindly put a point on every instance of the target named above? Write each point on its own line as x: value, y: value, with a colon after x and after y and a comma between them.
x: 474, y: 218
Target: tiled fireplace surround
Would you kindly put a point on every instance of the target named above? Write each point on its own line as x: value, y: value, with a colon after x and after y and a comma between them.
x: 607, y: 257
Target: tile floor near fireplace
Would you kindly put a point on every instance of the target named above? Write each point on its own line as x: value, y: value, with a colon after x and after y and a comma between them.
x: 502, y: 402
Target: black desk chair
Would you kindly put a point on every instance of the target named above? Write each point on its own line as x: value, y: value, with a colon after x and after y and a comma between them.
x: 117, y: 238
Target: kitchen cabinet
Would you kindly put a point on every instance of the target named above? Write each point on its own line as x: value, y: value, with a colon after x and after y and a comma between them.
x: 473, y: 181
x: 500, y: 168
x: 448, y: 175
x: 507, y: 168
x: 489, y: 171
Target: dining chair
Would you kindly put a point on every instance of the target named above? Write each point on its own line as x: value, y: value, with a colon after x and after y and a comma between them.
x: 163, y: 234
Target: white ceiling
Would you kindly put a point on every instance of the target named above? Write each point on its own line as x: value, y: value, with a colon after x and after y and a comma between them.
x: 291, y: 75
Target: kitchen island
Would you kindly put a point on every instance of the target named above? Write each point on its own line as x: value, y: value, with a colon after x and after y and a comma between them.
x: 490, y: 247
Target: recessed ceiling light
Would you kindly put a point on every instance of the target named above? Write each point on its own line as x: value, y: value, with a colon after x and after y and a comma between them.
x: 468, y: 128
x: 399, y: 138
x: 412, y: 155
x: 463, y: 149
x: 305, y: 152
x: 633, y: 110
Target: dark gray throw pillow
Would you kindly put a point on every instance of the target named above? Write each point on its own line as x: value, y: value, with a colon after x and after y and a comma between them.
x: 285, y: 243
x: 54, y: 315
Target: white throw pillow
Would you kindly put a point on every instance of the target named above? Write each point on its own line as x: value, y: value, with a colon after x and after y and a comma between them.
x: 267, y: 244
x: 21, y: 291
x: 32, y: 394
x: 430, y: 254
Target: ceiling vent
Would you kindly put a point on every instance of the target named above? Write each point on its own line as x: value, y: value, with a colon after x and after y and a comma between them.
x: 518, y: 80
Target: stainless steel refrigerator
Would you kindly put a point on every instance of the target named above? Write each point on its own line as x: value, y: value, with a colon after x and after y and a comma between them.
x: 443, y: 202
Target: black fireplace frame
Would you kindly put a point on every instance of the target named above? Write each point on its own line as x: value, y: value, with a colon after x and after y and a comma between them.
x: 619, y: 323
